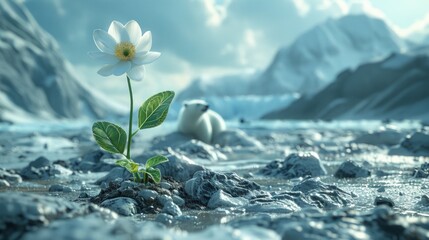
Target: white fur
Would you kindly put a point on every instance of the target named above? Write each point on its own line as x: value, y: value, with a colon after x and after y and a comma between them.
x: 196, y: 120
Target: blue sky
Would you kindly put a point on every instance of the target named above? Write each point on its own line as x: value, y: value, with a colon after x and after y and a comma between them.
x: 201, y: 37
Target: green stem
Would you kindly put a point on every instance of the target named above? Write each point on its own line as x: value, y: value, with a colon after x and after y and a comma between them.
x: 130, y: 127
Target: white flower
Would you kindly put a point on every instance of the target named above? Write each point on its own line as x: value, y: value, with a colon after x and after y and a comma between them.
x: 124, y: 50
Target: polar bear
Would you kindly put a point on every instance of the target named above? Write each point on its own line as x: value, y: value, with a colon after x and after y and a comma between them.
x: 200, y: 122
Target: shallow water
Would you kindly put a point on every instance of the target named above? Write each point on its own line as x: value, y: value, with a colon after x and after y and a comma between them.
x: 20, y: 144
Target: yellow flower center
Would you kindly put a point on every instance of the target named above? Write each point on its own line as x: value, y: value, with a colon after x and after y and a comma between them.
x: 125, y: 51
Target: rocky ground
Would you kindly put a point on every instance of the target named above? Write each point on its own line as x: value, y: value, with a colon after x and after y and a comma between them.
x: 261, y: 180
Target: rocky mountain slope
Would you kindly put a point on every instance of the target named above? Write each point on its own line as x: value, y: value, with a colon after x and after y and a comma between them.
x: 35, y: 80
x: 396, y: 87
x: 312, y: 61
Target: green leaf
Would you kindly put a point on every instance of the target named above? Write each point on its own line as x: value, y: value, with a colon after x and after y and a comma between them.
x: 154, y: 110
x: 131, y: 166
x: 154, y: 173
x: 153, y: 161
x: 109, y: 136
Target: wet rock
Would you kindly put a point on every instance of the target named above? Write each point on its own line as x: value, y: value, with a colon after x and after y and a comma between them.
x: 165, y: 185
x: 179, y: 167
x: 380, y: 223
x: 164, y: 199
x: 178, y: 200
x: 415, y: 145
x: 422, y: 172
x: 149, y: 195
x: 388, y: 137
x: 296, y: 165
x: 237, y: 138
x: 93, y: 162
x: 10, y: 177
x: 172, y: 209
x: 381, y: 189
x: 196, y: 149
x: 379, y: 200
x: 424, y: 200
x: 21, y: 212
x: 56, y: 188
x: 4, y: 183
x: 220, y: 199
x: 41, y: 168
x: 321, y: 195
x: 84, y: 195
x: 272, y: 206
x: 164, y: 218
x: 115, y: 173
x: 121, y: 205
x: 93, y: 228
x: 205, y: 183
x: 350, y: 169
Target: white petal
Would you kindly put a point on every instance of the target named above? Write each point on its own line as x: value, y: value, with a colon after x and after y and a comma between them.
x: 115, y: 69
x: 121, y: 68
x: 106, y: 70
x: 145, y: 42
x: 104, y: 41
x: 146, y: 58
x: 105, y: 58
x: 134, y: 31
x: 136, y: 73
x: 118, y: 32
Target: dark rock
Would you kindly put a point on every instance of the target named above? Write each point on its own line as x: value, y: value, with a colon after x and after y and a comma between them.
x: 56, y: 188
x: 205, y: 183
x: 148, y: 194
x: 21, y: 212
x: 422, y: 172
x: 380, y: 223
x: 387, y: 137
x: 178, y: 200
x: 321, y: 195
x: 93, y: 162
x: 121, y: 205
x: 196, y: 149
x: 164, y: 199
x: 165, y: 185
x: 41, y: 168
x: 350, y: 169
x: 115, y: 173
x: 178, y: 167
x: 379, y: 200
x: 296, y: 165
x: 415, y: 145
x: 164, y: 218
x: 172, y: 209
x: 424, y: 200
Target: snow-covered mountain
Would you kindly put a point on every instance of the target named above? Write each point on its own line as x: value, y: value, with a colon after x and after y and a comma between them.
x: 35, y: 80
x: 317, y: 56
x: 397, y: 88
x: 312, y: 61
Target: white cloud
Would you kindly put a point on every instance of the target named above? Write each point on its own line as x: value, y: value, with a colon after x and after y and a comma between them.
x: 302, y: 7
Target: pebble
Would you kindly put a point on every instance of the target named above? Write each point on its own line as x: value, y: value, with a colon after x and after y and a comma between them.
x: 381, y: 189
x: 165, y: 185
x: 379, y: 200
x: 172, y: 209
x: 164, y: 218
x: 147, y: 194
x: 178, y: 200
x: 163, y: 199
x: 121, y: 205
